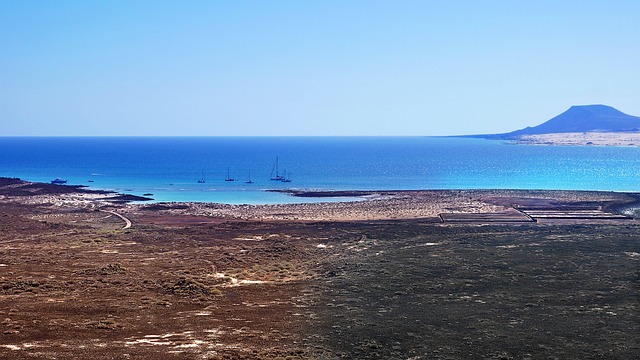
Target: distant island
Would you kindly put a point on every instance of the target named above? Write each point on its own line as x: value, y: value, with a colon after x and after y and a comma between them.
x: 580, y: 125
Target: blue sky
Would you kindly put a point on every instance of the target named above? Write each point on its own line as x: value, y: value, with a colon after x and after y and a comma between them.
x: 310, y: 67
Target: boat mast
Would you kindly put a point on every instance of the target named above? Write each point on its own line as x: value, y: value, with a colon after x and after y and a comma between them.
x: 229, y: 178
x: 277, y: 177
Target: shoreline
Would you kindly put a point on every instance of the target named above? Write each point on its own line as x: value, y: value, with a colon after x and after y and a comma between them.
x: 430, y: 205
x: 593, y: 138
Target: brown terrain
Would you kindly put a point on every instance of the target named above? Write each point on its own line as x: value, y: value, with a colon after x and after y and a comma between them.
x: 491, y: 274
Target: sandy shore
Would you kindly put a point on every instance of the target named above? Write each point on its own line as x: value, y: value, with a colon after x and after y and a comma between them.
x: 583, y: 138
x: 387, y: 205
x: 390, y: 205
x: 375, y: 205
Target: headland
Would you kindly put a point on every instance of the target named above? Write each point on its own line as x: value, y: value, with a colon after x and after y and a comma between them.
x: 598, y: 125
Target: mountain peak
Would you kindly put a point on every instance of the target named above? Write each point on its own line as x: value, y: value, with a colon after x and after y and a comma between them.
x: 583, y: 118
x: 597, y: 109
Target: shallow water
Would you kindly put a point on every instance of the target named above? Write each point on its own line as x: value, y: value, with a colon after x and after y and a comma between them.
x: 169, y: 168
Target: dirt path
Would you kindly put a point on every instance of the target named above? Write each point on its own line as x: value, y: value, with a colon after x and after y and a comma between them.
x: 127, y: 222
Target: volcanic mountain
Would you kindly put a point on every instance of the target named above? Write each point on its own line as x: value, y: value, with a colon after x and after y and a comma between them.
x: 584, y: 118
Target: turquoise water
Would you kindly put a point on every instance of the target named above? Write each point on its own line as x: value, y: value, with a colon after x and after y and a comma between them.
x: 169, y: 168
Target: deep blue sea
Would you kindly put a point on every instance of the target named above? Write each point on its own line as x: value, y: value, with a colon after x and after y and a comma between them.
x: 170, y: 168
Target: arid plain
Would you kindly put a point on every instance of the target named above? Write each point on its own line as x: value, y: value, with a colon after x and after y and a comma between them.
x: 490, y: 274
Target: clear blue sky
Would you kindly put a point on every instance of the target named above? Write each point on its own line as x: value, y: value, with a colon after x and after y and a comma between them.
x: 328, y: 67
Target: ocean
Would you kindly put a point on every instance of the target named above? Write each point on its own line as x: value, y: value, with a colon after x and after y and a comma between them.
x: 170, y: 167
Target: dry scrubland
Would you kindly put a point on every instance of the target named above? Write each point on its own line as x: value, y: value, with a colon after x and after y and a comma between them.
x: 377, y: 279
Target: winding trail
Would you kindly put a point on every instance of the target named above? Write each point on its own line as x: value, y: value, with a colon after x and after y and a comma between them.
x: 127, y: 222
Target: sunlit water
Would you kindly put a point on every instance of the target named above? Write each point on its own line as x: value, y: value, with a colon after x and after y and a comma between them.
x: 170, y: 168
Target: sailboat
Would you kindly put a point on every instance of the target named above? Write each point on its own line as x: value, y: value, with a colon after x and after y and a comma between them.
x: 202, y: 180
x: 249, y: 181
x: 229, y: 178
x: 277, y: 176
x: 286, y: 178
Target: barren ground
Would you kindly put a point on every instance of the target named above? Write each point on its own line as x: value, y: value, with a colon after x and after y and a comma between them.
x: 74, y: 284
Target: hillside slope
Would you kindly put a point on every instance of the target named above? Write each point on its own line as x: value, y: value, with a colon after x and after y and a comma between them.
x: 583, y: 118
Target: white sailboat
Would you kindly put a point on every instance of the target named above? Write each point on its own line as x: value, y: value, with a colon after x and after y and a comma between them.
x: 229, y: 178
x: 274, y: 172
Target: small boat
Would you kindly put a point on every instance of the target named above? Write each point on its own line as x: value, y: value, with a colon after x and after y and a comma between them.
x: 58, y: 181
x: 285, y: 178
x: 249, y: 180
x: 274, y: 172
x: 90, y: 180
x: 229, y: 178
x: 202, y: 180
